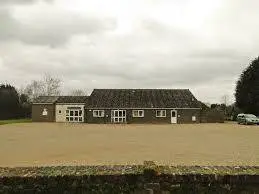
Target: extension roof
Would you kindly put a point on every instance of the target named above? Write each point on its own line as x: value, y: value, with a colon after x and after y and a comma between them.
x: 61, y: 99
x: 142, y: 98
x: 45, y: 100
x: 72, y: 99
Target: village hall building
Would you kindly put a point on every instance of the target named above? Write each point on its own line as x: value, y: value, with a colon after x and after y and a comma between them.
x: 120, y: 106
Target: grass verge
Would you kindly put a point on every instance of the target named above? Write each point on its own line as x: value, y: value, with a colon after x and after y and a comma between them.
x: 12, y: 121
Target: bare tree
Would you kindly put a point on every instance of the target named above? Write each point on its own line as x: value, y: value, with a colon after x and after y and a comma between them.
x: 77, y: 92
x: 47, y: 86
x: 51, y: 85
x: 225, y: 102
x: 225, y: 99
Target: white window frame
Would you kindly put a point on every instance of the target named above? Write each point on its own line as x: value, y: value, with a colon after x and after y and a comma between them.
x: 138, y: 113
x: 98, y: 113
x: 161, y: 113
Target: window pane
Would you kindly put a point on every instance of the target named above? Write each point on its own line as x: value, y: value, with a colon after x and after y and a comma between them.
x: 76, y: 118
x: 140, y: 113
x: 116, y: 113
x: 80, y: 119
x: 120, y: 113
x: 71, y: 113
x: 95, y: 113
x: 80, y: 113
x: 67, y: 118
x: 71, y: 119
x: 163, y: 113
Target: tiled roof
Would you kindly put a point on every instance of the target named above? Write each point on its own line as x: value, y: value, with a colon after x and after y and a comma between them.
x: 72, y: 99
x: 60, y: 99
x: 45, y: 100
x: 142, y: 98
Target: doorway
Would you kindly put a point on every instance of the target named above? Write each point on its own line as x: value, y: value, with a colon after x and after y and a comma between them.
x: 118, y: 116
x: 173, y: 116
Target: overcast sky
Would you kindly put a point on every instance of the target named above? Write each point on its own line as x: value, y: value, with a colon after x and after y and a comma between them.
x: 202, y: 45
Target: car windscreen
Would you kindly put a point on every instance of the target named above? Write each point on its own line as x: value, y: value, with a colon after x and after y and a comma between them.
x: 250, y: 116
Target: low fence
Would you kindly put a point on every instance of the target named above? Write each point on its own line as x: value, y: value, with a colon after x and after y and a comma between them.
x: 147, y: 178
x: 212, y: 116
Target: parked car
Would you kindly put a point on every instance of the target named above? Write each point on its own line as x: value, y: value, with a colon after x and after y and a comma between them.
x: 247, y: 119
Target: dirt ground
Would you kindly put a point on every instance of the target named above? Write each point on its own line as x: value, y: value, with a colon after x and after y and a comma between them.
x: 40, y: 144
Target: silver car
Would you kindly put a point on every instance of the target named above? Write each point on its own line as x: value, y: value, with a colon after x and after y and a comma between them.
x: 247, y: 119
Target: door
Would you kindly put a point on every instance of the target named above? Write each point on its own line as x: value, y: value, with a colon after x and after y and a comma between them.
x: 74, y: 116
x: 173, y: 116
x: 118, y: 116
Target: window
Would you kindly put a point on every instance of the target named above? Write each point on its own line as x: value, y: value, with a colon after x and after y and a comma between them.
x: 98, y: 113
x: 161, y: 113
x: 193, y: 118
x: 59, y: 111
x: 138, y: 113
x: 67, y: 112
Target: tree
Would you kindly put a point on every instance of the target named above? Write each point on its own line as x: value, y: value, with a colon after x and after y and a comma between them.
x: 51, y: 85
x: 9, y: 102
x: 47, y: 86
x: 225, y: 99
x: 247, y: 89
x: 77, y: 92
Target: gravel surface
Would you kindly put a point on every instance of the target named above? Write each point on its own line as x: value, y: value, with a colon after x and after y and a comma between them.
x: 57, y: 144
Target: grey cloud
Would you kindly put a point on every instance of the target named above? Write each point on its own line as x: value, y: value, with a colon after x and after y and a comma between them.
x: 21, y: 2
x: 53, y: 31
x: 153, y: 56
x: 16, y: 2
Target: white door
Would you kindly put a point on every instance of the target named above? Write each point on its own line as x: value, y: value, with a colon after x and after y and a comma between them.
x: 118, y: 116
x: 173, y: 116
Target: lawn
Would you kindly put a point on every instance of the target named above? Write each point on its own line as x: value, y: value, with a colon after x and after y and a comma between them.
x: 41, y: 144
x: 12, y: 121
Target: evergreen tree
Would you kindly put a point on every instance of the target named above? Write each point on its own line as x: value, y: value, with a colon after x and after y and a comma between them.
x: 9, y: 102
x: 247, y: 89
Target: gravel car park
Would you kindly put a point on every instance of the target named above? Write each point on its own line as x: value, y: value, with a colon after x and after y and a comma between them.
x: 40, y: 144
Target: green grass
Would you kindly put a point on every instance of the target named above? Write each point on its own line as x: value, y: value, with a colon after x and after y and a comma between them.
x: 12, y: 121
